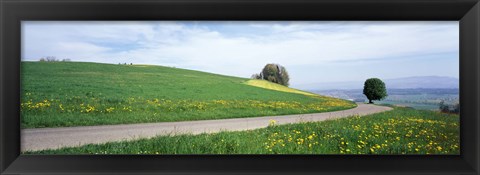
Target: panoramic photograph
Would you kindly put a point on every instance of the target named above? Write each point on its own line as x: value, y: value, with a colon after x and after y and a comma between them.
x: 240, y: 87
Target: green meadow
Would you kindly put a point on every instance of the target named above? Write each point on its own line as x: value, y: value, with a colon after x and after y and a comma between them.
x: 399, y: 131
x: 62, y: 94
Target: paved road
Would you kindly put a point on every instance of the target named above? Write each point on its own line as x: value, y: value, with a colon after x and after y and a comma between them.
x: 52, y: 138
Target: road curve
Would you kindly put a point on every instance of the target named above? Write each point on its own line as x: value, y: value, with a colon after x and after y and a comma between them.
x: 53, y: 138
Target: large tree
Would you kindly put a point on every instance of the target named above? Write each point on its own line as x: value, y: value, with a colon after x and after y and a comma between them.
x: 275, y: 73
x: 374, y: 89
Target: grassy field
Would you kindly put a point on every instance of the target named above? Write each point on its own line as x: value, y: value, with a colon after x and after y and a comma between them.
x: 399, y: 131
x: 422, y: 106
x: 273, y: 86
x: 60, y: 94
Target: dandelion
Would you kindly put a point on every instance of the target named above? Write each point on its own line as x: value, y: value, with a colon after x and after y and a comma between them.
x: 110, y: 109
x: 90, y: 108
x: 272, y: 122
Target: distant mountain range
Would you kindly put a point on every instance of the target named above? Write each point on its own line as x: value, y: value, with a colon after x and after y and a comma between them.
x: 423, y: 82
x: 433, y: 82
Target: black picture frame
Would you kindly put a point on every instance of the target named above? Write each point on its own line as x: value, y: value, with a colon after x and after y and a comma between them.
x: 14, y: 11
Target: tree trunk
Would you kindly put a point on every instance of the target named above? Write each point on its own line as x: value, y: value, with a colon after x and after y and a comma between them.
x: 370, y: 101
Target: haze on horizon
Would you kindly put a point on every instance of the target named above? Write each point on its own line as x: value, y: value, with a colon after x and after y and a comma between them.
x: 311, y: 51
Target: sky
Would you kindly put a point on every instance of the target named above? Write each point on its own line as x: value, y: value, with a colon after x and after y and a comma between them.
x: 311, y: 51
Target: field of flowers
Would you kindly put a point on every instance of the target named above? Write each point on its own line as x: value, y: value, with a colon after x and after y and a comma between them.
x: 399, y: 131
x: 60, y: 94
x: 95, y: 111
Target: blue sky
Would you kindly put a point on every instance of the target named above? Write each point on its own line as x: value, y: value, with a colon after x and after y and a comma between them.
x: 312, y: 51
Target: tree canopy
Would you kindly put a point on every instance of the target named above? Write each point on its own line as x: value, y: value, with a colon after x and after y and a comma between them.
x: 374, y: 89
x: 274, y: 73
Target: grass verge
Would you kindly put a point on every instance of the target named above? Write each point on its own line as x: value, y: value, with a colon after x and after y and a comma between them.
x: 399, y: 131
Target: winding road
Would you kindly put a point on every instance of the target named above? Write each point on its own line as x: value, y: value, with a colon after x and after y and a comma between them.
x: 53, y: 138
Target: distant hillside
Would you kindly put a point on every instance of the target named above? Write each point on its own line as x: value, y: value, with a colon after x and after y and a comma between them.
x: 427, y: 82
x: 423, y: 82
x: 421, y: 98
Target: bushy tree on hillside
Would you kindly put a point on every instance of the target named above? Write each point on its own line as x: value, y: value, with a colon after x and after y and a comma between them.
x: 51, y: 59
x: 454, y: 108
x: 274, y: 73
x: 256, y: 76
x: 374, y: 89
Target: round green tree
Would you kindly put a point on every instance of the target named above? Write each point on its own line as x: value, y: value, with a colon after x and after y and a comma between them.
x: 275, y: 73
x: 374, y: 89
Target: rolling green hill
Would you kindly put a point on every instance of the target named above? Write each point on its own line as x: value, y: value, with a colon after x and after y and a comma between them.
x: 58, y: 94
